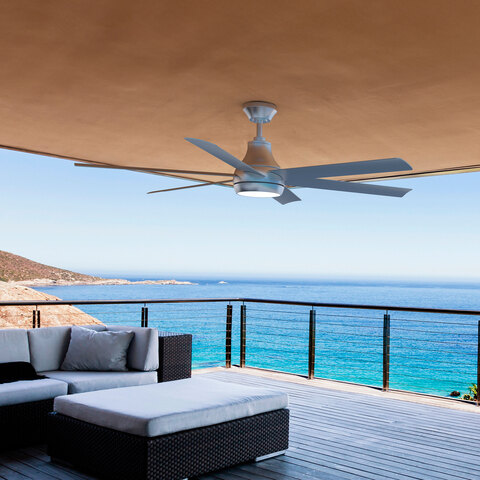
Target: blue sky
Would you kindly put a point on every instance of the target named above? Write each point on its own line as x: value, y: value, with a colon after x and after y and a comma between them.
x: 102, y: 222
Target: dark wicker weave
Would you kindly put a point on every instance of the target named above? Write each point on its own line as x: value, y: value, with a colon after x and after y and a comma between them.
x: 175, y: 356
x: 24, y: 424
x: 116, y: 455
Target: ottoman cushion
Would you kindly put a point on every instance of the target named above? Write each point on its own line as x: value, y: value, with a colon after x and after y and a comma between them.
x: 160, y: 409
x: 79, y: 382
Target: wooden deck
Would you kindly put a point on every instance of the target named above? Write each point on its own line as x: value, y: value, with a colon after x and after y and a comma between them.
x: 334, y: 435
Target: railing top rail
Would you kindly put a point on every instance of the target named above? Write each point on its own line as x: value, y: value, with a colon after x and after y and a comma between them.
x: 247, y: 300
x: 364, y: 307
x: 116, y: 302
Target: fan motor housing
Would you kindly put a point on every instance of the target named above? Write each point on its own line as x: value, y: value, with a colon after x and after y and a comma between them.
x: 259, y: 155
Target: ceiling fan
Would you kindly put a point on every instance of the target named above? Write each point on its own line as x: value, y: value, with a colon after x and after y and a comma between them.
x: 259, y: 175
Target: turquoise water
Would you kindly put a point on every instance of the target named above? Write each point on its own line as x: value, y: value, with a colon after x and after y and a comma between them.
x: 430, y: 353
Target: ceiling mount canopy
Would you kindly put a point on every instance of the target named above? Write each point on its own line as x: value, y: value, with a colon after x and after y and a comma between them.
x: 260, y: 112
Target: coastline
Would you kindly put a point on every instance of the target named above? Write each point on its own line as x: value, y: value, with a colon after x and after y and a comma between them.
x: 47, y: 282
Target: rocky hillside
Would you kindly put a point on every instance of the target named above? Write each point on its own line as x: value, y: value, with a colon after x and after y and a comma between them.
x: 50, y: 315
x: 14, y: 268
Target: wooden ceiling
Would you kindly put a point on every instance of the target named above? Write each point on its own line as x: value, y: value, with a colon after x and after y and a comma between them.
x: 123, y: 82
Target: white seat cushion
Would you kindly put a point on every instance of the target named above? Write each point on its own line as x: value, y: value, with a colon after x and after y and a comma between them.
x: 26, y: 391
x: 79, y: 382
x: 153, y: 410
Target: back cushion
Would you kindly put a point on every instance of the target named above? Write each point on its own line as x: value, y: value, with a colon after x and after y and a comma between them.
x: 49, y: 345
x: 97, y: 328
x: 97, y: 351
x: 14, y: 345
x: 143, y: 351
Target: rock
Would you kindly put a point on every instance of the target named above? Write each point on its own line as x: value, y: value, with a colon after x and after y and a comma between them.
x: 50, y: 315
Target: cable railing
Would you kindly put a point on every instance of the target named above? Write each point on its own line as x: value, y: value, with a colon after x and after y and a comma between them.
x: 429, y: 351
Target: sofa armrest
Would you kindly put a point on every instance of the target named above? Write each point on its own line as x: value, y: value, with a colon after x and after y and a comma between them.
x: 175, y: 356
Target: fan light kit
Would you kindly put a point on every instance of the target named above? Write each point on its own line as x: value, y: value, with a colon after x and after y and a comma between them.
x: 259, y: 175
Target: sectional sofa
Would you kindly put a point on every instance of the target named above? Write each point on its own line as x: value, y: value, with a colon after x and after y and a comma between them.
x: 24, y: 405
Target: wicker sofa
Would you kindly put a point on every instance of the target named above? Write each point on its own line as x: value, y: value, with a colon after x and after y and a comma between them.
x: 24, y: 404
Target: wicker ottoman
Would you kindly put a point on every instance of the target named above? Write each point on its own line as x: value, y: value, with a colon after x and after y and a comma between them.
x: 168, y: 431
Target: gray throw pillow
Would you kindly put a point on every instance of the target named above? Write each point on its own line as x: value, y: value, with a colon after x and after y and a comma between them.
x: 97, y: 351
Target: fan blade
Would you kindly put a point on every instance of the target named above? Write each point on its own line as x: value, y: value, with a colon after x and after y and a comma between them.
x: 153, y: 170
x: 222, y: 155
x: 190, y: 186
x: 287, y: 197
x: 340, y: 186
x: 342, y: 169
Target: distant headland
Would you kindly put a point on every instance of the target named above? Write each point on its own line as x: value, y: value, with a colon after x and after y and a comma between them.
x: 18, y: 270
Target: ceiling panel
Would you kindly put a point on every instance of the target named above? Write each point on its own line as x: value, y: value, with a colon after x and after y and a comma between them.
x: 123, y: 82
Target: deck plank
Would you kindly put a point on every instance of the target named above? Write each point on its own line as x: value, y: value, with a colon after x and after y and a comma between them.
x: 9, y: 474
x: 335, y: 435
x: 17, y: 466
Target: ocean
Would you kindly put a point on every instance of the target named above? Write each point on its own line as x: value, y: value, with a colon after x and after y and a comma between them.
x: 429, y: 353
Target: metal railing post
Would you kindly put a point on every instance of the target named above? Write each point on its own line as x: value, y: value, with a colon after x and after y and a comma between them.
x: 36, y: 318
x: 228, y: 338
x: 386, y: 352
x: 243, y: 334
x: 146, y: 318
x: 142, y: 324
x: 311, y: 344
x: 478, y: 364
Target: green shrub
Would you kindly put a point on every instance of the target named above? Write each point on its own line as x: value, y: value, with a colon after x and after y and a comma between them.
x: 473, y: 393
